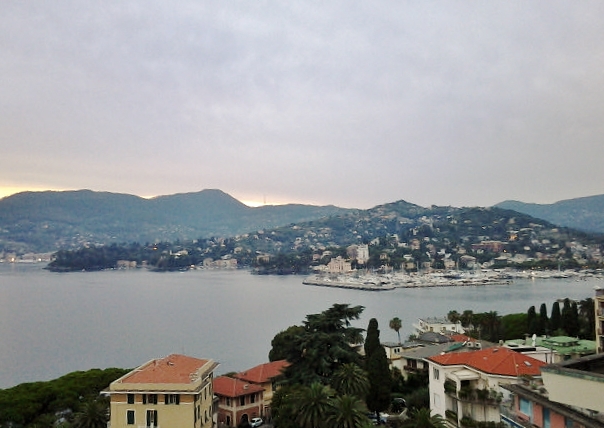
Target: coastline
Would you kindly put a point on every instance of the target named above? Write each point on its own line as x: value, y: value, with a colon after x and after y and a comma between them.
x: 385, y: 282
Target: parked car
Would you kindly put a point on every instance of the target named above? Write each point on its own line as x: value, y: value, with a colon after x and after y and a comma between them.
x: 381, y: 421
x: 256, y: 422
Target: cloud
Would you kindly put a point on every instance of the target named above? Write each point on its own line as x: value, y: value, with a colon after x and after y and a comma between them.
x: 461, y: 103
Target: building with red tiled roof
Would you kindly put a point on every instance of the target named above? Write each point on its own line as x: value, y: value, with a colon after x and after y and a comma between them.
x: 266, y: 376
x: 237, y: 399
x: 467, y: 384
x: 174, y: 391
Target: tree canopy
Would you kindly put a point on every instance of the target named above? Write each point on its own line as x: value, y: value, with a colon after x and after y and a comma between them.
x: 324, y: 344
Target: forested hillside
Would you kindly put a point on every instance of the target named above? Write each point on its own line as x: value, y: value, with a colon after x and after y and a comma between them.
x: 49, y: 221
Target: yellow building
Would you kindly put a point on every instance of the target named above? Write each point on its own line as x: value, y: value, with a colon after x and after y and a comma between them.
x: 171, y: 392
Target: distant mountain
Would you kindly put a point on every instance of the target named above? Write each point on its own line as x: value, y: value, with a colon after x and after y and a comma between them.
x: 585, y: 214
x: 47, y: 221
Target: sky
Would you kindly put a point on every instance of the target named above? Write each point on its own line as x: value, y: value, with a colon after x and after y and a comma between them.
x: 350, y: 103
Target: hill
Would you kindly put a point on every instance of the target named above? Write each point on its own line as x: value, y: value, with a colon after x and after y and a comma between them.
x: 585, y: 214
x: 398, y: 235
x: 48, y: 221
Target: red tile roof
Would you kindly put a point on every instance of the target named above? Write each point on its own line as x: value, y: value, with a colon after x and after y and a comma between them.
x: 174, y: 368
x: 462, y: 338
x: 497, y: 361
x: 230, y: 387
x: 264, y: 372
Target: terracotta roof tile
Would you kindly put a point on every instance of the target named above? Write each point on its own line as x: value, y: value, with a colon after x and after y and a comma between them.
x: 264, y: 372
x: 174, y: 368
x: 497, y: 361
x: 230, y: 387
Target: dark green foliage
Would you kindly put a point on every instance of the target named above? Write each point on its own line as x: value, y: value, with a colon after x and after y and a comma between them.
x: 372, y: 339
x: 283, y: 406
x: 396, y: 324
x: 570, y: 318
x: 347, y: 411
x: 421, y: 418
x: 531, y: 320
x: 93, y: 414
x: 26, y: 403
x: 378, y: 370
x: 555, y: 321
x: 514, y: 326
x: 282, y: 343
x: 418, y: 398
x: 587, y: 319
x: 350, y: 379
x: 324, y: 345
x: 542, y: 321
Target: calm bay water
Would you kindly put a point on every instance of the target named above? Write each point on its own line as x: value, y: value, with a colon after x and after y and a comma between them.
x: 52, y: 324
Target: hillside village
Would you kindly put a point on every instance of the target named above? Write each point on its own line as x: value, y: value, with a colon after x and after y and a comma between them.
x: 539, y: 382
x: 398, y: 236
x: 534, y: 381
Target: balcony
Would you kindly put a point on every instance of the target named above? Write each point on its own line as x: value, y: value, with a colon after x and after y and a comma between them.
x: 488, y: 397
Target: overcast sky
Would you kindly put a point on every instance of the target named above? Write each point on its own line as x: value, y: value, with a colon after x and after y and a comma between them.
x: 351, y: 103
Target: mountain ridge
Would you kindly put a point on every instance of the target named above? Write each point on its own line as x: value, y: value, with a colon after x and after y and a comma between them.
x: 51, y: 220
x: 585, y: 213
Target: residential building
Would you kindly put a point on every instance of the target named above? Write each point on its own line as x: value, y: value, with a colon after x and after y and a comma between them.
x: 266, y: 376
x: 338, y: 265
x: 465, y: 386
x: 438, y: 325
x: 599, y: 308
x: 553, y: 349
x: 175, y: 391
x: 530, y: 406
x: 237, y: 399
x: 578, y: 382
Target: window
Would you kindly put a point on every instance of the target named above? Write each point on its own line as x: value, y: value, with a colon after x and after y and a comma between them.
x: 171, y: 399
x: 242, y: 400
x: 435, y: 373
x: 526, y: 407
x: 546, y: 421
x: 150, y: 398
x: 253, y: 398
x: 130, y: 398
x: 130, y: 417
x: 228, y: 401
x: 152, y: 418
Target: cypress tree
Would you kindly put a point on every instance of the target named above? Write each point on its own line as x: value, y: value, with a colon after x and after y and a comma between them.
x: 380, y: 378
x: 555, y: 321
x: 542, y: 321
x: 372, y: 341
x: 566, y: 317
x: 531, y: 321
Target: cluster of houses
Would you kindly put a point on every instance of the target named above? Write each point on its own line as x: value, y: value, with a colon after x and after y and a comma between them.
x: 537, y: 382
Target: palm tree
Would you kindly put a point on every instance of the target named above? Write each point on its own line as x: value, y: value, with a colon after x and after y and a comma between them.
x: 313, y: 405
x: 92, y: 415
x: 347, y: 411
x: 350, y: 379
x: 396, y: 324
x: 421, y: 418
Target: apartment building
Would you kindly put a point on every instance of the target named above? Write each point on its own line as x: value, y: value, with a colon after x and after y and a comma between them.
x: 171, y: 392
